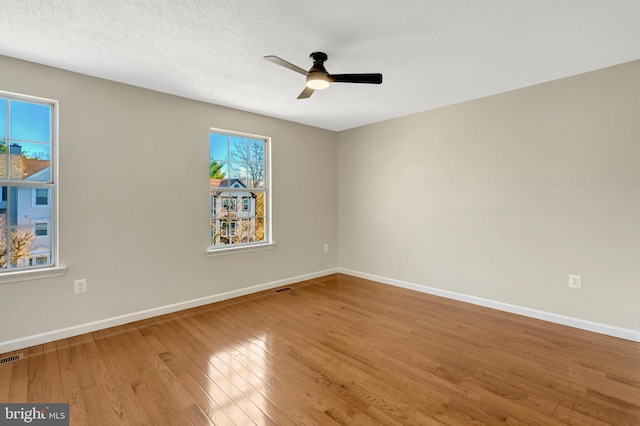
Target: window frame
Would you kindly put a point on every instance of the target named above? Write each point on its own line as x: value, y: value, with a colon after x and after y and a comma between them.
x: 53, y: 269
x: 267, y: 242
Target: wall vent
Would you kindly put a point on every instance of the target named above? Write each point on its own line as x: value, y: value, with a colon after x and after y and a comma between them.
x: 11, y: 358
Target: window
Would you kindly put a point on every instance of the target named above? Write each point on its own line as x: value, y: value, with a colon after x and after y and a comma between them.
x: 27, y: 205
x: 238, y: 173
x: 41, y: 229
x: 229, y: 203
x: 228, y: 229
x: 41, y: 197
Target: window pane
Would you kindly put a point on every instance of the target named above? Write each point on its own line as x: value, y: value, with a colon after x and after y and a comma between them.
x: 32, y: 150
x: 221, y: 182
x: 247, y: 157
x: 218, y: 169
x: 29, y: 121
x: 218, y: 146
x: 256, y: 151
x: 9, y: 206
x: 259, y: 204
x: 30, y: 161
x: 3, y: 118
x: 25, y: 231
x: 260, y: 214
x: 4, y: 159
x: 260, y: 229
x: 238, y: 164
x: 223, y: 233
x: 237, y: 175
x: 255, y: 165
x: 243, y: 230
x: 17, y: 252
x: 254, y: 232
x: 39, y: 252
x: 238, y: 149
x: 255, y: 175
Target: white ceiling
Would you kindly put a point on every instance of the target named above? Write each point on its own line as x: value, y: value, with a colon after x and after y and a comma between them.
x: 431, y: 53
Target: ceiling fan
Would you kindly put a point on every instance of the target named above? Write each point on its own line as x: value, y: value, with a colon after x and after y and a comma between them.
x: 318, y: 77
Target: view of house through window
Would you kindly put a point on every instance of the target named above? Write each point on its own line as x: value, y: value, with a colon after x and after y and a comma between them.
x: 238, y: 189
x: 26, y: 179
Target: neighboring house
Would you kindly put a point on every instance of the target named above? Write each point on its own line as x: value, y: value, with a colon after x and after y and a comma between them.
x: 30, y: 207
x: 34, y: 212
x: 233, y: 213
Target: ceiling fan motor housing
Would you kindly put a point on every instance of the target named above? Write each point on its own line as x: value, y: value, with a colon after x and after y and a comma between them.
x: 318, y: 62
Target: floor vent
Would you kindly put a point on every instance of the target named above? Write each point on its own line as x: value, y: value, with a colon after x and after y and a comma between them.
x: 12, y: 358
x: 283, y: 289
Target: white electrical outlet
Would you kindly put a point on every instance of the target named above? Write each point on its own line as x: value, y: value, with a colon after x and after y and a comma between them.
x: 575, y: 281
x: 326, y: 248
x: 80, y: 286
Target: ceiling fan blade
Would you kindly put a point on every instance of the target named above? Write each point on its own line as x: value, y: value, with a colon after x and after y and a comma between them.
x: 356, y: 78
x: 306, y: 93
x: 282, y: 62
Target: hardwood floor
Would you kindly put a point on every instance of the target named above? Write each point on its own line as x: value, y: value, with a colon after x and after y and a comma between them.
x: 336, y: 350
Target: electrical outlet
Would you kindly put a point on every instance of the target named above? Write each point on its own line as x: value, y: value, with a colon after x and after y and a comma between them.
x: 80, y: 286
x: 575, y: 281
x: 326, y: 248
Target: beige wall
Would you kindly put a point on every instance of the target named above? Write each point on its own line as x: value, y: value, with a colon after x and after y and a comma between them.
x: 499, y: 198
x: 134, y: 202
x: 502, y: 197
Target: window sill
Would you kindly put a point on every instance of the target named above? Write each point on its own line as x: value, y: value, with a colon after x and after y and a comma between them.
x: 237, y: 250
x: 32, y: 274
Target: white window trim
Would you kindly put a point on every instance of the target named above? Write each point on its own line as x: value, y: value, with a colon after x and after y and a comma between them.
x: 54, y: 270
x: 239, y: 249
x: 269, y: 243
x: 32, y: 274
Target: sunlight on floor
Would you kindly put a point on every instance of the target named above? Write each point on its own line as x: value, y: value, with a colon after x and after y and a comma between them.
x: 238, y: 380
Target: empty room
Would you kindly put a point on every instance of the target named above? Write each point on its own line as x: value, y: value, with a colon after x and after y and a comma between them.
x: 320, y: 213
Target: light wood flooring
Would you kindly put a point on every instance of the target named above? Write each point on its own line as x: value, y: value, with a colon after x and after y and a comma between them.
x: 335, y: 350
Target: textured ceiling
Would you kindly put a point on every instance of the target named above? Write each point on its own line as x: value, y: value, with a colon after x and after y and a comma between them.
x: 431, y: 53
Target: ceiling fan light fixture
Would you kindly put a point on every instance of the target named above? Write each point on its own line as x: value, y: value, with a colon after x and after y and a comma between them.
x: 317, y: 81
x: 318, y: 78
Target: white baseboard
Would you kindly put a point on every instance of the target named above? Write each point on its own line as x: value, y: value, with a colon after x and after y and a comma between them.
x: 608, y: 330
x: 50, y: 336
